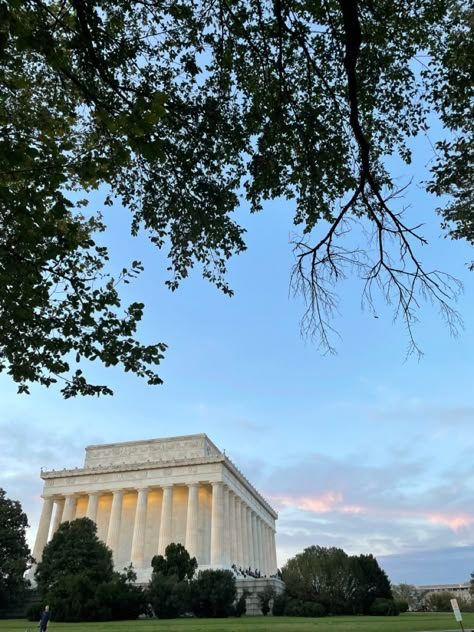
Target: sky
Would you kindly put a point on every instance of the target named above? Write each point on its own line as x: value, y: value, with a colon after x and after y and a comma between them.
x: 367, y: 450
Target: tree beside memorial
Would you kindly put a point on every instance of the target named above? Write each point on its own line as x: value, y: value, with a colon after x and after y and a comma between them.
x: 337, y: 582
x: 76, y: 577
x: 15, y: 556
x: 169, y: 590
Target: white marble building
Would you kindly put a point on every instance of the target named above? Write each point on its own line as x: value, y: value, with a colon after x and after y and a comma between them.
x: 145, y: 494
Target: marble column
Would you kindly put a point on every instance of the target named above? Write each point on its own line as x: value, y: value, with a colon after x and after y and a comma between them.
x: 92, y: 505
x: 59, y: 502
x: 238, y: 531
x: 226, y: 528
x: 43, y: 527
x: 245, y: 537
x: 113, y: 532
x: 166, y: 519
x: 233, y: 530
x: 268, y: 550
x: 274, y: 558
x: 264, y: 549
x: 217, y: 524
x: 69, y: 508
x: 259, y: 545
x: 251, y: 563
x: 192, y: 520
x: 254, y: 541
x: 138, y: 538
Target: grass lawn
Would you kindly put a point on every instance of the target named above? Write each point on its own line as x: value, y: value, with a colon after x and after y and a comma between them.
x: 409, y: 622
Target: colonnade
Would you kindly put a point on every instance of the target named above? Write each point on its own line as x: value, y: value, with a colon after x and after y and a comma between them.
x: 240, y: 533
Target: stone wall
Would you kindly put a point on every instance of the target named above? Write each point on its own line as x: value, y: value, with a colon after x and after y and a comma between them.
x: 255, y: 586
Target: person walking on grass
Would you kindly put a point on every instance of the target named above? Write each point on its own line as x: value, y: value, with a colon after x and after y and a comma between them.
x: 43, y: 624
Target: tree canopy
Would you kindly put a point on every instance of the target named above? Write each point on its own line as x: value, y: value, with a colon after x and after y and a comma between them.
x: 15, y: 557
x: 76, y: 577
x: 341, y: 583
x: 179, y: 110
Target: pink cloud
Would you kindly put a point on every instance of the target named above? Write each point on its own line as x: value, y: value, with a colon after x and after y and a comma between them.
x: 330, y: 501
x: 333, y: 501
x: 454, y: 522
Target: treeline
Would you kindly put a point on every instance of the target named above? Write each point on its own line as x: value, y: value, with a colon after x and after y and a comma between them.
x: 326, y: 581
x: 76, y: 578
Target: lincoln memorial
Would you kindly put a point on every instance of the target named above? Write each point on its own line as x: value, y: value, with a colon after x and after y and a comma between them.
x: 143, y: 495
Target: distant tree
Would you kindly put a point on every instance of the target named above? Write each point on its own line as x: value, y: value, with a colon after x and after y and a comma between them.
x: 214, y: 593
x: 15, y: 558
x: 169, y: 589
x: 439, y: 601
x: 407, y: 593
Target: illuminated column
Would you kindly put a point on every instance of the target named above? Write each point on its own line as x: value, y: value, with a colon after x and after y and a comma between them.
x: 217, y: 523
x: 233, y: 529
x: 249, y: 538
x: 192, y: 520
x: 43, y: 527
x: 138, y: 539
x: 114, y: 522
x: 59, y: 502
x: 267, y: 550
x: 259, y: 545
x: 274, y: 558
x: 238, y: 530
x: 69, y: 508
x: 92, y: 505
x: 254, y: 541
x: 166, y: 519
x: 226, y: 528
x: 245, y: 537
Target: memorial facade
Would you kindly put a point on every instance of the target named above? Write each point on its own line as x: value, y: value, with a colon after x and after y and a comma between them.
x: 143, y: 495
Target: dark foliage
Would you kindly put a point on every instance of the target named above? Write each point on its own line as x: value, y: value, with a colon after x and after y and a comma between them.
x: 213, y: 593
x: 176, y: 562
x: 178, y: 110
x: 169, y: 590
x: 76, y: 577
x: 240, y: 607
x: 15, y: 556
x: 384, y: 608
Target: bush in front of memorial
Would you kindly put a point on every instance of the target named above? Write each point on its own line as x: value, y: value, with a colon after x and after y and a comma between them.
x: 76, y: 577
x: 174, y: 589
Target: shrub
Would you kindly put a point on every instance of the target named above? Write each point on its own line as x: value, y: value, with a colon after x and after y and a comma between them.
x: 384, y: 608
x: 214, y: 593
x: 264, y: 598
x: 168, y: 597
x: 34, y: 612
x: 279, y: 605
x: 294, y: 608
x: 240, y: 607
x: 313, y: 609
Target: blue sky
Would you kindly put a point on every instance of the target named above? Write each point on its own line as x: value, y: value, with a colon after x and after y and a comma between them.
x: 366, y: 450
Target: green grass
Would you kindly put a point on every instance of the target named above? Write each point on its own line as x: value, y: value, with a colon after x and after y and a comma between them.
x: 417, y: 622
